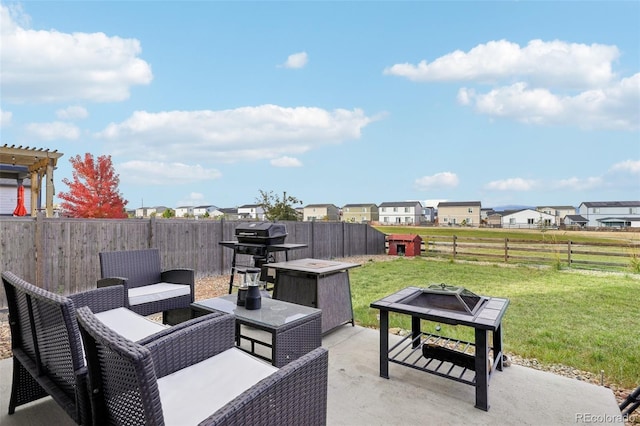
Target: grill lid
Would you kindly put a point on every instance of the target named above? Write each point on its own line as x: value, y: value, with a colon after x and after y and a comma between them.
x: 261, y: 232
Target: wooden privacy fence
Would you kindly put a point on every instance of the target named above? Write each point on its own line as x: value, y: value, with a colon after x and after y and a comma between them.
x: 561, y: 253
x: 61, y: 255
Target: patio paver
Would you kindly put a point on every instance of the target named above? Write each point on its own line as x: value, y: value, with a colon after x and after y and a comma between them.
x: 359, y: 396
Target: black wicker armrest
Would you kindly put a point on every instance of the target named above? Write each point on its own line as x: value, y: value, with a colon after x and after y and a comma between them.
x: 106, y: 282
x: 100, y: 299
x: 185, y: 346
x: 179, y: 326
x: 179, y: 276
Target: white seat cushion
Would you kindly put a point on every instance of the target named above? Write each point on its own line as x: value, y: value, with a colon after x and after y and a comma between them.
x: 129, y: 324
x: 191, y: 395
x: 155, y: 292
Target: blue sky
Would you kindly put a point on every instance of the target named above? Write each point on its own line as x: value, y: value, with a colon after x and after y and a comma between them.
x: 530, y: 103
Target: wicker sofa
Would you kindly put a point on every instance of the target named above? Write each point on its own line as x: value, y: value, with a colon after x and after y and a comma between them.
x: 149, y: 289
x: 48, y: 357
x: 195, y: 375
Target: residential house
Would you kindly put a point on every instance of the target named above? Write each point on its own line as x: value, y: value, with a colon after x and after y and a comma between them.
x: 251, y: 212
x: 611, y: 214
x: 228, y: 214
x: 360, y: 213
x: 575, y: 220
x: 313, y: 212
x: 430, y: 210
x: 150, y: 211
x: 527, y: 219
x: 429, y: 214
x: 485, y: 213
x: 494, y: 220
x: 184, y: 211
x: 459, y: 213
x: 204, y: 211
x: 400, y: 213
x: 558, y: 211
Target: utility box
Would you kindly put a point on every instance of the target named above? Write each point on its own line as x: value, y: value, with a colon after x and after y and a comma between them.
x: 404, y: 245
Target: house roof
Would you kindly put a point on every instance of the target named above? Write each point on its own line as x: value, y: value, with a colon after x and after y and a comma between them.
x: 576, y: 218
x: 612, y: 203
x: 320, y: 205
x: 403, y: 237
x: 619, y: 219
x: 458, y: 203
x: 229, y: 210
x: 250, y: 206
x: 360, y: 205
x: 400, y: 203
x: 557, y: 207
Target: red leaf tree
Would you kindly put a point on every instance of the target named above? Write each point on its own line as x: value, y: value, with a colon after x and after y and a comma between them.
x: 94, y: 189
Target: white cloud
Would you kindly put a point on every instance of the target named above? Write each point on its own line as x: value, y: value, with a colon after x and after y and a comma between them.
x: 50, y: 66
x: 512, y: 184
x: 437, y: 181
x: 72, y: 113
x: 629, y: 166
x: 53, y: 131
x: 616, y: 107
x: 286, y: 162
x: 160, y: 173
x: 297, y: 60
x: 193, y: 199
x: 242, y: 134
x: 543, y: 83
x: 5, y: 118
x: 549, y: 63
x: 579, y: 184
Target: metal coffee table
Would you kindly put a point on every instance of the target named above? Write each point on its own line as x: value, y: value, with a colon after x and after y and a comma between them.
x: 295, y: 329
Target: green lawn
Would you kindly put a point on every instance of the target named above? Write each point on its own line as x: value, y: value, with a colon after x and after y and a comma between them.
x: 589, y: 322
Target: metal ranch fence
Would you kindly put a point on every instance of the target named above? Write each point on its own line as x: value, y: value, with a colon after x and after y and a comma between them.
x: 591, y: 255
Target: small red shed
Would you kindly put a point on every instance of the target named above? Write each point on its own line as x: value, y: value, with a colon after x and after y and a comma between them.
x: 404, y: 245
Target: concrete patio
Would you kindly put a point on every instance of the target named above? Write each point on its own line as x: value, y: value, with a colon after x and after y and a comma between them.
x: 359, y: 396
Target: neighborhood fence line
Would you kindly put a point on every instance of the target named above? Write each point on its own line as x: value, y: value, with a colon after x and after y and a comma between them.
x: 61, y: 254
x: 560, y: 253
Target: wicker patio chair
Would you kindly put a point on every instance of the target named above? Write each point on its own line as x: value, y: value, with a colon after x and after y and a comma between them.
x: 195, y: 375
x: 46, y: 346
x: 149, y: 289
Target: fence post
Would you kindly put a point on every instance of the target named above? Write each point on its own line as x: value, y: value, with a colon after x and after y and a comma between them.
x: 220, y: 248
x: 455, y: 248
x: 506, y: 250
x: 39, y: 254
x: 569, y: 253
x: 152, y: 232
x: 313, y: 242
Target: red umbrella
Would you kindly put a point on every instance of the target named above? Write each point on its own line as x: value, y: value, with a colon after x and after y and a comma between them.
x: 20, y: 209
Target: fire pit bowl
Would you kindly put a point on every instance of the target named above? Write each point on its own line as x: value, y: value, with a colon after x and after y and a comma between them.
x: 446, y: 297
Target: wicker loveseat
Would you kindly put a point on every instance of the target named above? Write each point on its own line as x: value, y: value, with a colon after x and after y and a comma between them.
x: 195, y: 375
x: 149, y: 289
x: 48, y: 357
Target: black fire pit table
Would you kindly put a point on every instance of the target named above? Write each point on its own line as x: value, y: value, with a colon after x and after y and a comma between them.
x: 466, y: 362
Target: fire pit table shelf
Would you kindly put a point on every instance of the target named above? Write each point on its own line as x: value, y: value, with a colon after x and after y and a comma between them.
x: 466, y: 362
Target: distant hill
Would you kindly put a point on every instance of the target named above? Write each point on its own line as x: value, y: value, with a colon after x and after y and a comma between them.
x: 512, y: 207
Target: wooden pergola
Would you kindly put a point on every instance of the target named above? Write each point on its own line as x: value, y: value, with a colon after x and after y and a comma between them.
x: 40, y: 163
